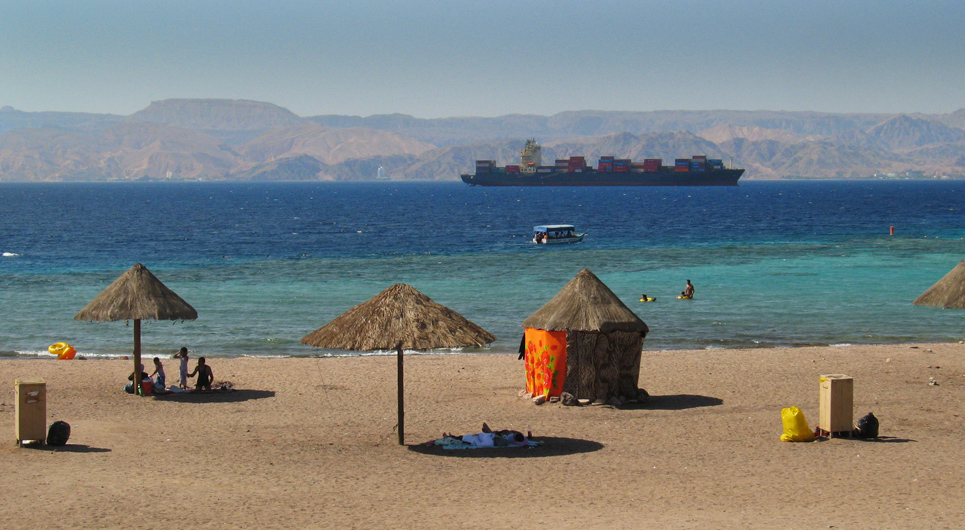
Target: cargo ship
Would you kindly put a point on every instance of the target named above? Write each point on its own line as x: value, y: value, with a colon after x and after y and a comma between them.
x: 609, y: 171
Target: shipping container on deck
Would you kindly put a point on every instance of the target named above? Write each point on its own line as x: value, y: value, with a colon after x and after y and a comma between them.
x: 512, y: 169
x: 652, y: 164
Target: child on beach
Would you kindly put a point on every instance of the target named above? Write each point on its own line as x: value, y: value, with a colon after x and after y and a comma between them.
x: 159, y: 372
x: 183, y: 368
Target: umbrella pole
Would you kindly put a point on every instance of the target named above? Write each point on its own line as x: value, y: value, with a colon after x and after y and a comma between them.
x: 401, y: 399
x: 137, y: 356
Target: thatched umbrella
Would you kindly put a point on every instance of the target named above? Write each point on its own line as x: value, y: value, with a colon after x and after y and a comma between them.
x: 137, y: 295
x: 947, y: 293
x: 399, y: 318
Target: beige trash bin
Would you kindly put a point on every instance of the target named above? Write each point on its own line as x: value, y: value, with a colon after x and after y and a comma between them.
x: 836, y: 404
x: 31, y: 409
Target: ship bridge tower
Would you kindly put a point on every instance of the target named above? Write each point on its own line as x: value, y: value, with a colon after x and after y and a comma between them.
x: 531, y: 157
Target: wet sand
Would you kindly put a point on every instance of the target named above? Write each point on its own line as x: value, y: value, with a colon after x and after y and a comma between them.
x: 310, y: 443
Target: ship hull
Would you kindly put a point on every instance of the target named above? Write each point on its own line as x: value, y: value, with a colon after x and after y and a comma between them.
x: 719, y: 177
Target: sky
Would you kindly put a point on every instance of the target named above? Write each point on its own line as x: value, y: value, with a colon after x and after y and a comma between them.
x: 434, y: 59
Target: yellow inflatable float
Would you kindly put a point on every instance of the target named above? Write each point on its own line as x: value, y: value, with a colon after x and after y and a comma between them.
x: 648, y: 299
x: 62, y: 350
x: 682, y: 297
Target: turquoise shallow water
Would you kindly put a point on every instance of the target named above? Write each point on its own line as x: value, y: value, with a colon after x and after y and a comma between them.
x: 774, y: 264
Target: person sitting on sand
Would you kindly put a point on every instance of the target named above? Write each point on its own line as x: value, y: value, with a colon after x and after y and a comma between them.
x: 129, y: 388
x: 159, y: 383
x: 205, y: 376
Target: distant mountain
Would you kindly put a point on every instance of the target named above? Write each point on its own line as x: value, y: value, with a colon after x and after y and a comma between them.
x: 447, y: 163
x: 723, y: 133
x: 11, y: 118
x: 234, y: 121
x: 224, y: 139
x: 955, y: 119
x: 331, y: 146
x: 294, y: 168
x: 769, y: 159
x: 447, y: 131
x: 666, y: 145
x: 123, y: 151
x: 904, y: 133
x: 217, y: 114
x: 454, y: 131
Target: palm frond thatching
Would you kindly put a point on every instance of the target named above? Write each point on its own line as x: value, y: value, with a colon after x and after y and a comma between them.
x: 137, y: 295
x: 399, y: 314
x: 948, y: 292
x: 586, y: 304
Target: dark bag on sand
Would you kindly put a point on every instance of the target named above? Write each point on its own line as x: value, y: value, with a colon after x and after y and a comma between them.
x: 59, y: 433
x: 867, y: 427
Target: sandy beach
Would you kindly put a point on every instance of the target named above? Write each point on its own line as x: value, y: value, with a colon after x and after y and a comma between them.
x: 309, y: 443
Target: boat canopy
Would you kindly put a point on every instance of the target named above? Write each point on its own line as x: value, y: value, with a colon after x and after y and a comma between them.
x: 553, y: 228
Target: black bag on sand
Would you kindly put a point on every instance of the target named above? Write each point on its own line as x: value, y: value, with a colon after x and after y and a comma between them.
x: 59, y: 433
x: 867, y: 427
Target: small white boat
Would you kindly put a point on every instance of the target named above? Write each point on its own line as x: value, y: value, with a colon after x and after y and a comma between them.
x: 556, y: 234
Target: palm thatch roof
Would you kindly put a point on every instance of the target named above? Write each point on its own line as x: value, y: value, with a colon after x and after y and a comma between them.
x: 947, y: 293
x: 137, y: 295
x: 586, y: 304
x: 399, y: 314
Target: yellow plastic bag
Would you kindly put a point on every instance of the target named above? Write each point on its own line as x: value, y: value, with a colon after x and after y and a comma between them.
x: 795, y: 426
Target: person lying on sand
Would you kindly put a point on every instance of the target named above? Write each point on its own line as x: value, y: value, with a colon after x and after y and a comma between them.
x: 490, y: 438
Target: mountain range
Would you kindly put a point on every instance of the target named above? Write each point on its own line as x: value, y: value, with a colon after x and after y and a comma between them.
x: 219, y: 139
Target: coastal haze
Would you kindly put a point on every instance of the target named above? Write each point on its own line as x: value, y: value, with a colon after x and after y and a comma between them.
x: 295, y: 90
x: 218, y: 139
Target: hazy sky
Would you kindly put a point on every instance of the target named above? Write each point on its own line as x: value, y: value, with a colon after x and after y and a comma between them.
x: 434, y: 59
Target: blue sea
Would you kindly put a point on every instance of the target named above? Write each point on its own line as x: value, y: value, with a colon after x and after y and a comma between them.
x: 774, y: 263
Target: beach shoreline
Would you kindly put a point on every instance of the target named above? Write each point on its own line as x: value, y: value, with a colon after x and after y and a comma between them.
x: 310, y: 442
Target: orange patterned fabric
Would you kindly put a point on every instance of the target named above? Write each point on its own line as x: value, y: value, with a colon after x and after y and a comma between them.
x: 545, y: 362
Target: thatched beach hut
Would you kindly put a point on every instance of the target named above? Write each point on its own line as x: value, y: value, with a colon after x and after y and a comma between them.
x: 585, y: 342
x: 399, y: 318
x: 948, y: 292
x: 137, y: 295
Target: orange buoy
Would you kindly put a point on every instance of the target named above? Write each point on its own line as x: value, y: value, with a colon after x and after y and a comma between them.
x: 892, y: 230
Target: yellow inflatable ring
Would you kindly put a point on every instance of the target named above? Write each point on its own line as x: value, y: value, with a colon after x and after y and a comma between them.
x: 682, y: 297
x: 62, y: 350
